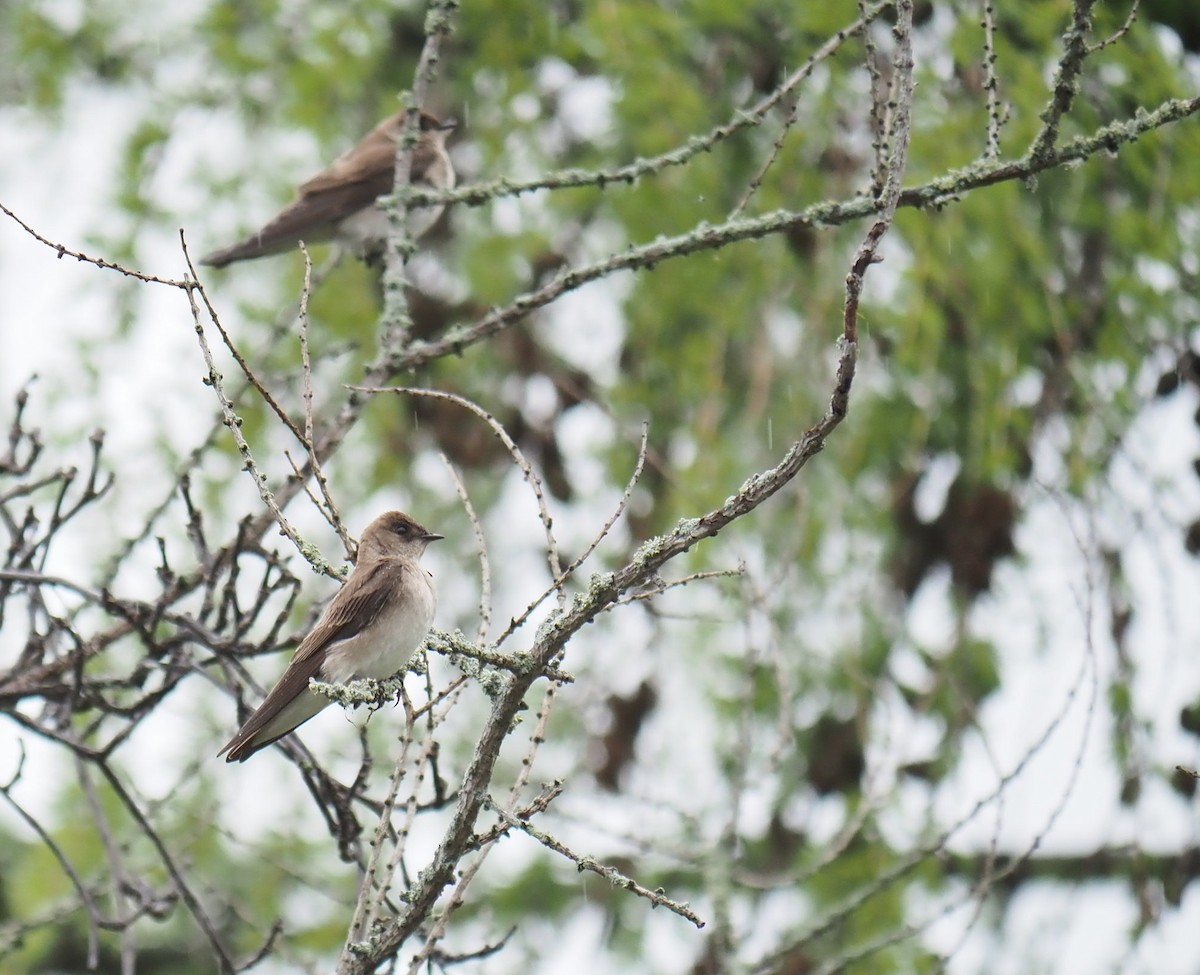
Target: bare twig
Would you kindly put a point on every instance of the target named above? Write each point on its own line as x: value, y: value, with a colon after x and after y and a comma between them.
x: 330, y: 508
x: 611, y: 874
x: 95, y: 921
x: 514, y: 451
x: 63, y: 251
x: 1120, y: 33
x: 233, y: 423
x: 557, y: 583
x: 243, y: 365
x: 997, y: 113
x: 485, y: 566
x: 1066, y: 77
x: 182, y: 886
x: 396, y: 320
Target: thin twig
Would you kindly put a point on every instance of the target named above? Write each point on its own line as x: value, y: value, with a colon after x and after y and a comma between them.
x: 63, y: 251
x: 233, y: 423
x: 173, y: 868
x: 611, y: 874
x: 656, y: 587
x: 330, y: 509
x: 458, y: 895
x: 557, y: 583
x: 247, y: 372
x: 514, y: 451
x: 85, y: 896
x: 1066, y: 78
x: 485, y: 566
x: 997, y: 113
x: 1124, y: 29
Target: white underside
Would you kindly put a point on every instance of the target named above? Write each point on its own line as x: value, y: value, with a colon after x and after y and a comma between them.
x: 367, y: 230
x: 389, y: 643
x: 385, y: 649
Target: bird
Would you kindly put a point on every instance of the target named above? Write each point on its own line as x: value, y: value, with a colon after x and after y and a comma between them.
x: 371, y: 628
x: 339, y: 203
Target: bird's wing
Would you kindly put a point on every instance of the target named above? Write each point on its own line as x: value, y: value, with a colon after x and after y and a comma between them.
x: 312, y: 217
x: 353, y: 609
x: 370, y: 163
x: 283, y: 710
x: 361, y: 176
x: 372, y: 158
x: 352, y: 182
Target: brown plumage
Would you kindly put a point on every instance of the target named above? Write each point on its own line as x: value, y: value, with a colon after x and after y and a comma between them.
x: 370, y: 629
x: 339, y: 202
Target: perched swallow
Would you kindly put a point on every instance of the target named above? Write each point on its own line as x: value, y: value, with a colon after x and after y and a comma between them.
x: 371, y: 628
x: 339, y: 202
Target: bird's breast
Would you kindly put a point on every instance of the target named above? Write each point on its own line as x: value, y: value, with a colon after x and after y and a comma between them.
x: 388, y: 643
x: 366, y: 230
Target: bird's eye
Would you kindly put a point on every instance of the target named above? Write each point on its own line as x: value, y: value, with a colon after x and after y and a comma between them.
x: 401, y: 530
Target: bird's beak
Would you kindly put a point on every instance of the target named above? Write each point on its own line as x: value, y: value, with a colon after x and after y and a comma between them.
x: 448, y: 125
x: 431, y: 537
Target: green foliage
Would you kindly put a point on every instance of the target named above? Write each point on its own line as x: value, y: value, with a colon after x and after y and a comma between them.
x: 46, y: 48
